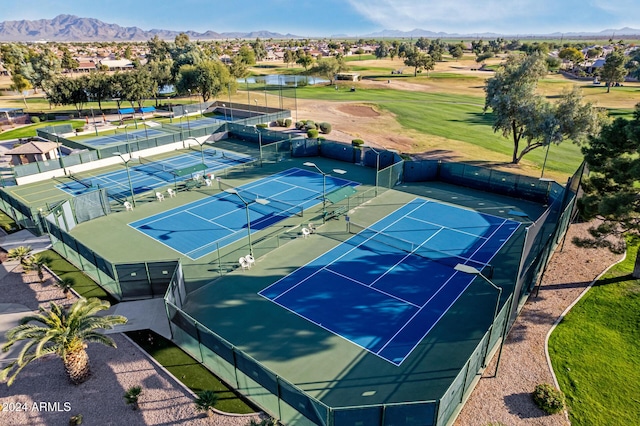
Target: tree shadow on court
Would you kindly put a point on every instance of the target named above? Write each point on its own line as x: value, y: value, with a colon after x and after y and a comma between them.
x: 522, y: 405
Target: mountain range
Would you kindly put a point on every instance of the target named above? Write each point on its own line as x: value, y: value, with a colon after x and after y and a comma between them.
x: 74, y: 28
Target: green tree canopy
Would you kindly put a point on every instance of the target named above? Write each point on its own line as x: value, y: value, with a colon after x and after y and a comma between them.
x: 614, y: 70
x: 329, y: 67
x: 289, y: 57
x: 382, y: 50
x: 611, y: 188
x: 305, y: 61
x: 259, y: 49
x: 45, y: 66
x: 572, y: 55
x: 419, y: 60
x: 99, y: 86
x: 212, y: 78
x: 511, y: 96
x: 246, y: 55
x: 68, y: 62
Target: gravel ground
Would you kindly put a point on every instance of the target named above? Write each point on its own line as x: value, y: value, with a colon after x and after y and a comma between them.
x: 100, y: 399
x: 506, y: 398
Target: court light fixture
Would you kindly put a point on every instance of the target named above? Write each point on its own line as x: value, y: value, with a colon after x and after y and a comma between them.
x: 324, y: 185
x: 468, y: 269
x: 126, y: 165
x: 246, y: 207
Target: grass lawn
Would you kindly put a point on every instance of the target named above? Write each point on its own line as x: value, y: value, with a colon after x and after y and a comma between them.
x: 594, y: 350
x: 30, y: 130
x: 7, y: 223
x: 448, y: 116
x: 83, y: 285
x: 189, y: 371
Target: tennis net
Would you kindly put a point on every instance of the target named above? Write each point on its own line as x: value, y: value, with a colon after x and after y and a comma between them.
x: 282, y: 206
x: 212, y: 153
x: 438, y: 256
x: 158, y: 166
x: 84, y: 182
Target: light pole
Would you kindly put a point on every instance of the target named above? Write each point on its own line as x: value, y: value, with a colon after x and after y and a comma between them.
x: 118, y: 106
x: 544, y: 163
x: 265, y: 94
x: 246, y: 207
x: 255, y: 129
x: 201, y: 144
x: 467, y: 269
x: 224, y: 109
x: 256, y: 102
x: 377, y: 165
x: 94, y: 122
x: 126, y: 165
x: 230, y: 104
x: 135, y: 122
x: 145, y: 126
x: 324, y: 185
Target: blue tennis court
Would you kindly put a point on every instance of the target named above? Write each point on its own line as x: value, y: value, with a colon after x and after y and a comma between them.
x: 146, y: 177
x: 128, y: 136
x: 386, y: 287
x: 201, y: 227
x: 197, y: 122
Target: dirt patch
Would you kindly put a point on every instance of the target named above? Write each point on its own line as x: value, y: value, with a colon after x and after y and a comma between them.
x: 359, y: 110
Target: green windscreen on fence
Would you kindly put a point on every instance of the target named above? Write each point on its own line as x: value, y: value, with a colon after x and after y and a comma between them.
x: 91, y: 205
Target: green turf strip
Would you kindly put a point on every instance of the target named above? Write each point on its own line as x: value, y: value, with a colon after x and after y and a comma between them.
x: 594, y: 351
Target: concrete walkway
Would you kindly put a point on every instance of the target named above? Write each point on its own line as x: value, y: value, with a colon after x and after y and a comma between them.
x: 24, y: 238
x: 142, y: 315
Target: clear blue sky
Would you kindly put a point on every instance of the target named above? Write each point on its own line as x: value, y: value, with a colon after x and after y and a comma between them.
x: 351, y: 17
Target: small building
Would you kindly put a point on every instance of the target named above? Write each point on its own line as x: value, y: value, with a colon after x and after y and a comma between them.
x: 33, y: 151
x: 86, y: 66
x: 347, y: 76
x: 117, y: 64
x: 10, y: 116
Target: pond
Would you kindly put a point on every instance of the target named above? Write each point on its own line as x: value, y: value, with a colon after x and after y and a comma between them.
x: 283, y: 80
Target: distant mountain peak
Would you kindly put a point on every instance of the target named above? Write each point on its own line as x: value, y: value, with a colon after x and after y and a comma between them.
x: 66, y: 27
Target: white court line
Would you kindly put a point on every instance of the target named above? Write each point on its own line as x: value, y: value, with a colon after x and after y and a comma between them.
x: 372, y: 288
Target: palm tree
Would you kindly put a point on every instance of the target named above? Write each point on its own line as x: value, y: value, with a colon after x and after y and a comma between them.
x: 64, y: 332
x: 37, y: 262
x: 65, y: 285
x: 205, y: 401
x: 21, y: 253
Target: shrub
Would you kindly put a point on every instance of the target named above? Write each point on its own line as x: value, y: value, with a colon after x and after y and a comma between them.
x: 548, y: 398
x: 262, y: 125
x: 325, y: 128
x: 287, y: 122
x: 132, y: 395
x: 43, y: 118
x: 280, y: 122
x: 75, y: 420
x: 310, y: 124
x: 299, y: 125
x: 35, y: 120
x: 357, y: 142
x: 312, y: 133
x: 205, y: 401
x: 263, y: 422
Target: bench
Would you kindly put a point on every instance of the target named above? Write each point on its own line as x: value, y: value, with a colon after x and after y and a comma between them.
x: 192, y: 183
x: 335, y: 214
